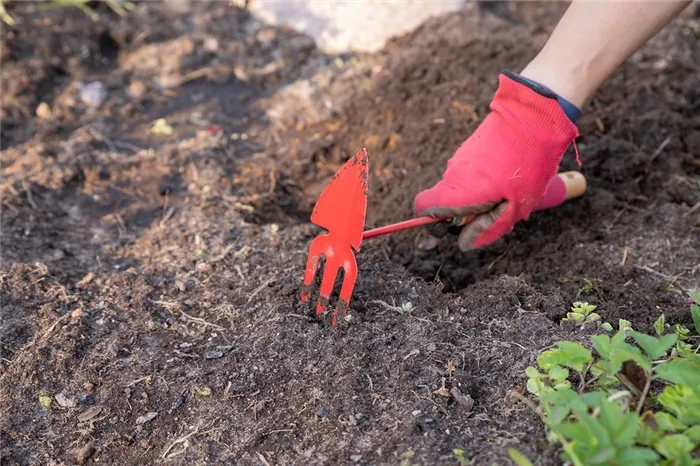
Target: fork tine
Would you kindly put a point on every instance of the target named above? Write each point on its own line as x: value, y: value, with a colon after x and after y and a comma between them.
x: 349, y: 278
x: 315, y: 252
x: 330, y: 271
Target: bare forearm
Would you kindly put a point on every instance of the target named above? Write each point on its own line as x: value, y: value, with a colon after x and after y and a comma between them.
x: 592, y: 39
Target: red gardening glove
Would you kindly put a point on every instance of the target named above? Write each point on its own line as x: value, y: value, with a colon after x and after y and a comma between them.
x: 502, y: 170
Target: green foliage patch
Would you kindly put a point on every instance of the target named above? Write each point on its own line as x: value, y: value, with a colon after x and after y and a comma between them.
x: 632, y: 399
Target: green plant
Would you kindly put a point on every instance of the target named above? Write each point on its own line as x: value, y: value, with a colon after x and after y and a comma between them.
x: 120, y: 7
x: 582, y: 312
x: 461, y: 457
x: 634, y: 400
x: 4, y: 15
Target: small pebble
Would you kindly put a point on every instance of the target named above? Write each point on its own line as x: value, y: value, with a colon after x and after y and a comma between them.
x: 86, y: 399
x: 43, y: 111
x: 93, y: 94
x: 136, y: 89
x: 76, y: 313
x: 356, y: 458
x: 213, y: 354
x: 211, y: 44
x: 146, y: 417
x: 416, y: 412
x: 428, y: 243
x: 64, y: 401
x: 322, y: 413
x: 85, y: 453
x: 466, y: 401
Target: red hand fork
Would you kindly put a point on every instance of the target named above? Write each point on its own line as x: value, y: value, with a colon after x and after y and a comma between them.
x: 341, y: 210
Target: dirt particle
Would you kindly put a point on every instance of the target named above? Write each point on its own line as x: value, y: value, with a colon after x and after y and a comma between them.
x: 93, y: 94
x: 146, y: 418
x: 86, y: 399
x: 136, y: 89
x: 64, y: 402
x: 76, y: 314
x: 86, y: 280
x: 213, y: 354
x: 43, y: 111
x: 90, y: 413
x: 85, y: 452
x: 465, y: 401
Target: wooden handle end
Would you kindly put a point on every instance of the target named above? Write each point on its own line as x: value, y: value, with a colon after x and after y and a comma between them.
x: 575, y: 183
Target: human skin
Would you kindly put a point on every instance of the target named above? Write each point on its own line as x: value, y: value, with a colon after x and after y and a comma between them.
x: 590, y: 41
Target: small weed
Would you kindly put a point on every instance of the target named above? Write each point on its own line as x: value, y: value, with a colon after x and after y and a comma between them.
x: 120, y: 7
x: 4, y: 15
x: 461, y: 457
x: 406, y: 307
x: 518, y: 458
x: 406, y: 457
x: 591, y: 286
x: 607, y: 419
x: 203, y: 391
x: 45, y: 401
x: 582, y: 313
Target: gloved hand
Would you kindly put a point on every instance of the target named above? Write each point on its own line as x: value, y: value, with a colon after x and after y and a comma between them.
x: 503, y: 168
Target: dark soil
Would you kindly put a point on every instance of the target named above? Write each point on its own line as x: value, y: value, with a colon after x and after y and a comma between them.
x: 146, y: 273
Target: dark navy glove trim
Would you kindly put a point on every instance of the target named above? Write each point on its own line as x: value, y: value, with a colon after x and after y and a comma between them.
x: 571, y: 110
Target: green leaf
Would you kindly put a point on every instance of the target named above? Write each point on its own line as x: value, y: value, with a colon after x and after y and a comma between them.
x: 533, y: 386
x: 667, y: 422
x: 681, y: 371
x: 596, y: 429
x: 607, y: 327
x: 602, y: 345
x: 603, y: 455
x: 533, y: 373
x: 655, y: 347
x: 637, y: 456
x: 695, y: 314
x: 675, y: 447
x: 693, y: 433
x: 461, y: 457
x: 624, y: 324
x: 45, y: 401
x: 575, y: 317
x: 204, y: 391
x: 575, y: 432
x: 682, y: 331
x: 568, y: 354
x: 695, y: 297
x: 683, y: 402
x: 627, y: 433
x: 583, y: 308
x: 660, y: 325
x: 558, y: 373
x: 518, y: 458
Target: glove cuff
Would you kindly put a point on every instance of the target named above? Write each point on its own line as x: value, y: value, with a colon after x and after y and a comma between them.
x: 535, y: 117
x: 571, y: 110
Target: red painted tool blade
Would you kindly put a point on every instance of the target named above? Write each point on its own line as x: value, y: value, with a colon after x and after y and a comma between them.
x: 342, y: 206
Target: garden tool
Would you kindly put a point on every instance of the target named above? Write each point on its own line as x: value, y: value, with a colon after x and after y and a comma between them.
x: 341, y: 210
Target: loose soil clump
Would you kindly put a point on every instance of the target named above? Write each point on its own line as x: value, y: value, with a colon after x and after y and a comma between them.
x: 150, y: 281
